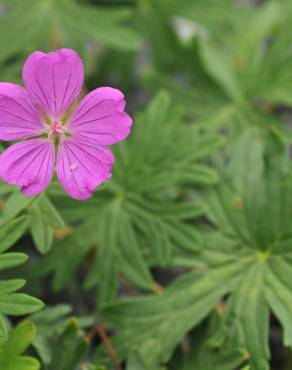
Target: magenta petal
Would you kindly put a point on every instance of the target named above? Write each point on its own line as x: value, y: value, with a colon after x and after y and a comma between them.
x: 82, y: 166
x: 19, y: 118
x: 100, y: 117
x: 29, y: 165
x: 54, y: 79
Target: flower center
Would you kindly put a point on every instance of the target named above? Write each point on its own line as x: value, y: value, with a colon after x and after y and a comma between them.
x: 56, y: 129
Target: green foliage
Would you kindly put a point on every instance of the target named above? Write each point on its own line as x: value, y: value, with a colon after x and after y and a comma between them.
x: 227, y: 84
x: 164, y: 319
x: 44, y: 217
x: 52, y: 23
x: 69, y: 349
x: 12, y: 348
x: 51, y: 323
x: 251, y: 217
x: 13, y: 303
x: 202, y: 352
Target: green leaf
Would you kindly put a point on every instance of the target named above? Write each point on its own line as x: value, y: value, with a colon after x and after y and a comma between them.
x: 12, y: 231
x: 138, y: 362
x: 200, y: 175
x: 41, y: 230
x: 105, y: 265
x: 205, y: 352
x: 250, y: 270
x: 185, y: 303
x: 44, y: 217
x: 134, y: 266
x: 50, y: 213
x: 11, y: 259
x: 12, y: 303
x: 278, y: 293
x: 18, y: 304
x: 221, y: 69
x: 15, y: 204
x: 81, y: 240
x: 11, y: 350
x: 10, y: 286
x: 260, y: 25
x: 69, y: 349
x: 50, y: 322
x: 258, y: 220
x: 249, y: 161
x: 248, y: 317
x: 208, y: 359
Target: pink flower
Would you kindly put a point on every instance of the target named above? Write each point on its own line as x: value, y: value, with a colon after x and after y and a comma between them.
x: 72, y: 137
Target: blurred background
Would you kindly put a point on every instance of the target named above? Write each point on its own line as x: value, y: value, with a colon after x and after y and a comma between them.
x: 208, y: 82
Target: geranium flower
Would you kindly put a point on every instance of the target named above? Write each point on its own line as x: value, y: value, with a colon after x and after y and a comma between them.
x: 63, y: 134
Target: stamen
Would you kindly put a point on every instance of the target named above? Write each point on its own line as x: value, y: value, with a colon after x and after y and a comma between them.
x: 55, y: 130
